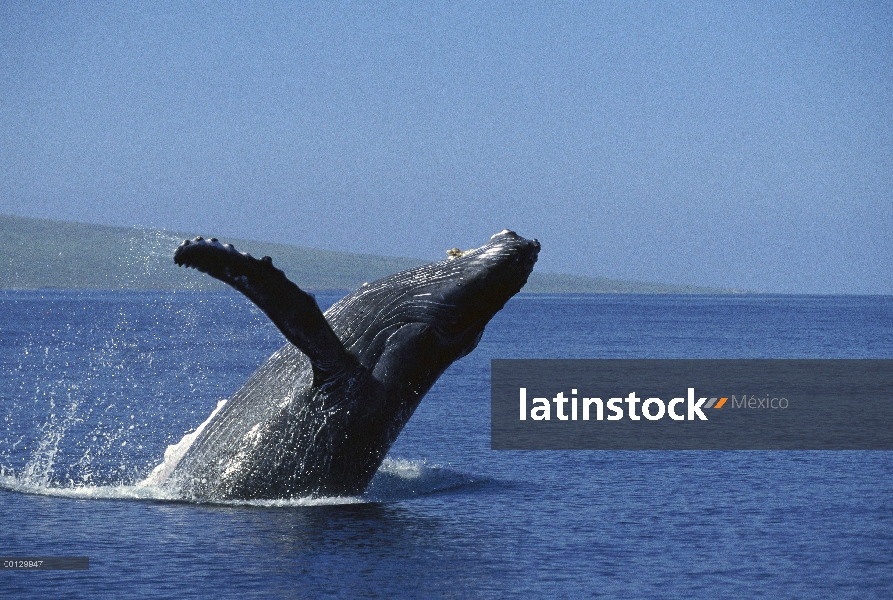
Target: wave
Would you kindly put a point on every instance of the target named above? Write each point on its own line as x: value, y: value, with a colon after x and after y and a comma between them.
x: 397, y: 479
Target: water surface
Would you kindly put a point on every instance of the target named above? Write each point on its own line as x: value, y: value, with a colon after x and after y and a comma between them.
x: 95, y: 385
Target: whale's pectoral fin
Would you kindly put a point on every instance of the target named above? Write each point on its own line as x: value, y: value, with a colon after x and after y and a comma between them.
x: 291, y: 309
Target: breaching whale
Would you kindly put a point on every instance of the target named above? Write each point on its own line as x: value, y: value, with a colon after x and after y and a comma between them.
x: 319, y: 416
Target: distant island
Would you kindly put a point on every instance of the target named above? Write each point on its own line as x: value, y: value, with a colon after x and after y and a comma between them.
x: 41, y: 254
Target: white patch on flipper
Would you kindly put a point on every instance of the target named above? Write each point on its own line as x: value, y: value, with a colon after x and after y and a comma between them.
x: 175, y: 453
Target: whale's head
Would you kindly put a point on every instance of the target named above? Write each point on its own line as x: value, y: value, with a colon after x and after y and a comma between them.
x: 467, y: 290
x: 409, y: 327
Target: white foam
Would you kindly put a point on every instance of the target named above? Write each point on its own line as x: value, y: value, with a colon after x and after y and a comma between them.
x: 143, y: 491
x: 396, y: 479
x: 399, y: 479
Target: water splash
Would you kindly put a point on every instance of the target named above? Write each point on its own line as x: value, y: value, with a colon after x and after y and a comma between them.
x: 147, y: 261
x: 38, y: 470
x: 95, y: 385
x: 396, y: 479
x: 402, y: 479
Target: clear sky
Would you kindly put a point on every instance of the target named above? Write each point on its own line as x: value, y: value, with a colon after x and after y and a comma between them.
x: 745, y: 145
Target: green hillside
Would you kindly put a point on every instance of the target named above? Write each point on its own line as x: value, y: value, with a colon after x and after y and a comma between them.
x: 38, y: 253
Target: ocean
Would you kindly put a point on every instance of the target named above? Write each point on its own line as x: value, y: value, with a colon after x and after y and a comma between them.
x: 95, y: 385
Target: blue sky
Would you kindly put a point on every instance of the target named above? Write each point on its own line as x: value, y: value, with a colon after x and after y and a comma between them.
x: 745, y: 145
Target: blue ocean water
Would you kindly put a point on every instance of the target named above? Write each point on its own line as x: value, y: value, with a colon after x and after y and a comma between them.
x: 95, y: 385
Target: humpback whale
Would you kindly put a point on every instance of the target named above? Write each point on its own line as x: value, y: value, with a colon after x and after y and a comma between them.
x: 318, y: 417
